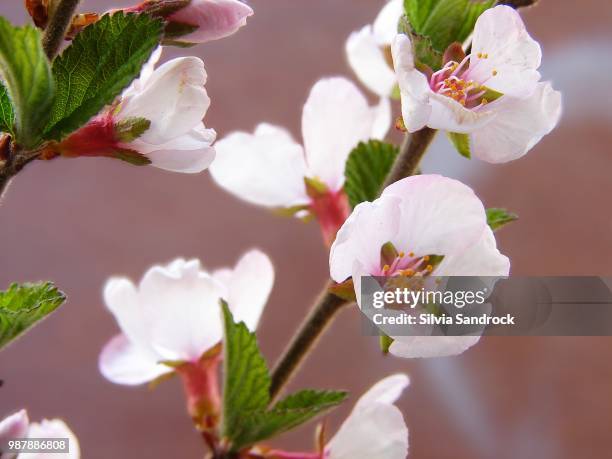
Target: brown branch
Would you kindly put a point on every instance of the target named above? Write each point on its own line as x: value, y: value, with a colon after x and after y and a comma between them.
x: 59, y: 20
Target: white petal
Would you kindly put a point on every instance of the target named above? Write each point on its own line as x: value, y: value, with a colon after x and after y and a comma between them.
x: 14, y: 426
x: 375, y: 432
x: 54, y: 428
x: 265, y: 168
x: 248, y: 286
x: 500, y: 34
x: 367, y: 59
x: 370, y: 225
x: 481, y: 259
x: 145, y: 74
x: 387, y: 390
x: 439, y: 215
x: 190, y: 153
x: 414, y: 87
x: 385, y: 25
x: 449, y: 115
x: 519, y: 124
x: 182, y: 305
x: 215, y: 19
x: 431, y: 346
x: 335, y: 119
x: 382, y: 119
x: 121, y: 362
x: 173, y: 99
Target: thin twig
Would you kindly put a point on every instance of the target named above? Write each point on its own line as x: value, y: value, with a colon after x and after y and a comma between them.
x: 411, y: 152
x: 60, y: 19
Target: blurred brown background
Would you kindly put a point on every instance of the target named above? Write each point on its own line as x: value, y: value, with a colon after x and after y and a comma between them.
x: 77, y: 222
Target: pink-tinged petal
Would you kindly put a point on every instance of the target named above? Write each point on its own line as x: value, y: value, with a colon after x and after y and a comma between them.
x: 173, y: 99
x: 367, y: 59
x: 481, y: 259
x: 449, y: 115
x: 265, y: 168
x: 370, y: 225
x: 182, y: 305
x: 335, y: 119
x: 431, y: 346
x: 519, y: 124
x: 122, y: 362
x: 376, y: 432
x: 506, y: 50
x: 385, y: 24
x: 53, y: 428
x: 145, y: 73
x: 414, y: 87
x: 214, y: 18
x: 248, y: 286
x: 190, y: 153
x: 14, y: 426
x: 439, y: 215
x: 387, y: 390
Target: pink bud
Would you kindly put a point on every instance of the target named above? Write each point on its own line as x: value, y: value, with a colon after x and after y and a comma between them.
x: 214, y: 19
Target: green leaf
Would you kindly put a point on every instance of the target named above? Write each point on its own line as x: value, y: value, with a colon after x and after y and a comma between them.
x: 289, y: 413
x: 7, y: 114
x: 496, y: 218
x: 366, y: 169
x: 23, y: 305
x: 385, y: 342
x: 461, y: 142
x: 26, y: 74
x: 425, y: 52
x: 129, y: 129
x: 102, y: 61
x: 246, y: 387
x: 445, y: 21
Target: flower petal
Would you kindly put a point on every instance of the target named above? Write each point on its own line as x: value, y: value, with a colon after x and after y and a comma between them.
x: 385, y: 24
x: 518, y: 126
x: 500, y: 35
x: 449, y: 115
x: 122, y: 362
x: 215, y: 19
x: 54, y: 428
x: 265, y: 168
x: 335, y: 119
x: 14, y: 426
x: 367, y: 59
x: 414, y: 87
x: 431, y: 346
x: 248, y: 286
x: 439, y: 215
x: 370, y: 225
x: 376, y: 432
x: 387, y: 390
x: 173, y: 99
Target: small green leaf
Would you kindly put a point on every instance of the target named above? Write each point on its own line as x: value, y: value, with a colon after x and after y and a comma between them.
x: 247, y: 381
x: 101, y: 61
x: 178, y: 29
x: 23, y: 305
x: 385, y: 343
x: 26, y: 74
x: 425, y: 53
x: 496, y: 218
x: 7, y: 114
x: 129, y: 129
x: 287, y: 414
x: 130, y: 156
x: 461, y: 142
x: 366, y: 169
x: 445, y: 21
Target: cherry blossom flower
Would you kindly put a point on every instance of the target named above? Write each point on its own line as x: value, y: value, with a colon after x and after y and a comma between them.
x: 494, y: 94
x: 437, y: 226
x: 269, y: 168
x: 369, y: 50
x: 213, y: 19
x: 375, y: 428
x: 18, y: 426
x: 157, y: 120
x: 172, y: 321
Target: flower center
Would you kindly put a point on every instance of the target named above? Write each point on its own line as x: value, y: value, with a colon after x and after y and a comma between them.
x: 405, y: 264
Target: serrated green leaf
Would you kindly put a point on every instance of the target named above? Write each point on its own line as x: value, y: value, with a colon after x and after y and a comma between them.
x: 7, y: 114
x: 129, y: 129
x: 445, y: 21
x: 23, y: 305
x: 366, y: 169
x: 287, y: 414
x: 461, y: 142
x: 497, y: 217
x: 26, y: 74
x: 101, y: 61
x: 424, y: 51
x: 246, y: 385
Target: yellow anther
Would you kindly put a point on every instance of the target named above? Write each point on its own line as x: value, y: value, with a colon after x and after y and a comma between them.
x: 411, y: 254
x: 429, y: 268
x: 484, y: 101
x: 486, y: 55
x: 407, y: 272
x: 426, y: 258
x: 494, y: 72
x: 401, y: 254
x: 479, y: 55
